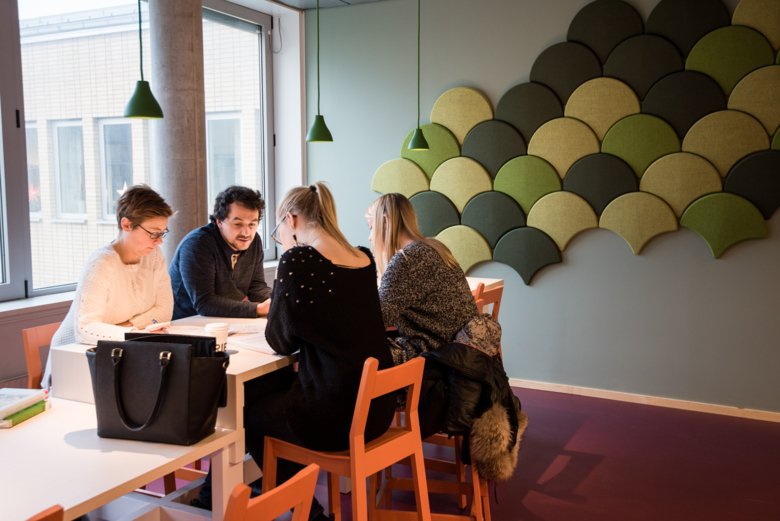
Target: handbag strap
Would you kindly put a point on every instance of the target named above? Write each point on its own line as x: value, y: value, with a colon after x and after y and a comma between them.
x: 116, y: 359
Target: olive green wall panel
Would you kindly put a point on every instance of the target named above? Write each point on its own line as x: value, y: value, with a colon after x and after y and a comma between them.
x: 642, y: 60
x: 684, y: 22
x: 493, y: 143
x: 728, y: 54
x: 725, y: 137
x: 600, y: 178
x: 527, y: 178
x: 399, y: 175
x: 682, y: 98
x: 466, y: 244
x: 639, y: 140
x: 680, y: 178
x: 776, y: 140
x: 562, y: 215
x: 527, y: 250
x: 492, y: 214
x: 565, y: 66
x: 723, y: 220
x: 562, y: 141
x: 761, y: 15
x: 638, y: 217
x: 757, y: 179
x: 758, y: 94
x: 601, y: 102
x: 528, y: 106
x: 460, y: 109
x: 434, y: 212
x: 603, y: 24
x: 460, y: 179
x: 442, y: 146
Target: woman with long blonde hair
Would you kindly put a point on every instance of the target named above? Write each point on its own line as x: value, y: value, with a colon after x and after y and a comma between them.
x: 423, y: 291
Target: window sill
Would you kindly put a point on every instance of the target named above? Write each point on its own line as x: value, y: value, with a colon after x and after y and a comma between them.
x: 12, y: 308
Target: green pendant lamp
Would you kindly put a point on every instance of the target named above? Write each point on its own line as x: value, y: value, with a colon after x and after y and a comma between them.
x: 418, y: 141
x: 319, y: 130
x: 142, y: 103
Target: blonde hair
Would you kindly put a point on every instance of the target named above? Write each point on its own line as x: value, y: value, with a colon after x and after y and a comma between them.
x: 315, y: 204
x: 391, y: 216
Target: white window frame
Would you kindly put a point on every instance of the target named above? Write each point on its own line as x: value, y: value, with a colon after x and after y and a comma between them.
x: 59, y: 213
x: 107, y: 213
x: 31, y: 126
x: 221, y: 116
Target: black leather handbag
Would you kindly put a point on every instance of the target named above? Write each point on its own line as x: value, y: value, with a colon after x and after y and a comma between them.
x: 160, y: 388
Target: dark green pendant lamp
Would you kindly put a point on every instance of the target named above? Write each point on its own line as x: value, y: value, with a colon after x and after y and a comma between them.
x: 142, y: 103
x: 418, y: 141
x: 319, y: 130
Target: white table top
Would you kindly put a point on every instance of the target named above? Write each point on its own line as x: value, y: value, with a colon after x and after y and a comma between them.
x: 57, y: 458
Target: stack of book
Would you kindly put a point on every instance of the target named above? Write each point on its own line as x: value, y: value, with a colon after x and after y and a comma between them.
x: 17, y: 405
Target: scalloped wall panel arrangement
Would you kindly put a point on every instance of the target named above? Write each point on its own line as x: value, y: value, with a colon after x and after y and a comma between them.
x: 635, y: 127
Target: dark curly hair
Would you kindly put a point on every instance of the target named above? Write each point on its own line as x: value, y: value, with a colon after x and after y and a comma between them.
x: 246, y: 197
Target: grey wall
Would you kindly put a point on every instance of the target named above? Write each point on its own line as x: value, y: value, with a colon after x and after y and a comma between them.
x: 671, y: 322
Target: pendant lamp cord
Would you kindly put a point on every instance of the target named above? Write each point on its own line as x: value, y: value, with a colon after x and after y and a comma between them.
x: 418, y: 63
x: 318, y: 57
x: 140, y: 41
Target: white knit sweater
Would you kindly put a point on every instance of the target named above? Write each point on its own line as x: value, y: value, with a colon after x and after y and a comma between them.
x: 111, y: 292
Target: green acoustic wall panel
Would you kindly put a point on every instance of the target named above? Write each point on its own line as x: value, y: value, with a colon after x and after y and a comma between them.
x: 758, y: 94
x: 684, y: 22
x: 603, y: 24
x: 460, y: 109
x: 565, y: 66
x: 682, y: 98
x: 562, y: 141
x: 642, y: 60
x: 528, y: 106
x: 638, y: 217
x: 527, y: 250
x: 761, y: 15
x: 434, y: 212
x: 460, y: 179
x: 680, y: 178
x: 527, y: 178
x: 467, y: 246
x: 562, y: 215
x: 728, y: 54
x: 639, y: 140
x: 493, y: 143
x: 725, y: 137
x: 601, y: 102
x: 442, y: 146
x: 399, y: 175
x: 492, y: 214
x: 723, y: 220
x: 600, y: 178
x: 757, y: 179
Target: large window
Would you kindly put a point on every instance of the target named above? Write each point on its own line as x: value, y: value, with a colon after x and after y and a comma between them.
x: 68, y: 71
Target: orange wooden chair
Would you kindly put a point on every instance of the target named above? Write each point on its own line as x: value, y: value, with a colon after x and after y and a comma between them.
x: 35, y: 339
x: 366, y: 459
x: 490, y: 297
x: 53, y: 513
x: 296, y: 494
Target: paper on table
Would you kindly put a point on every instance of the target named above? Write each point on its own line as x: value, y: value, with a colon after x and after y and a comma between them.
x: 245, y: 328
x: 253, y: 342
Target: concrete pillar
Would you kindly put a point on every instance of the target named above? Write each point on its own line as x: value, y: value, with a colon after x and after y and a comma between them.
x: 179, y: 139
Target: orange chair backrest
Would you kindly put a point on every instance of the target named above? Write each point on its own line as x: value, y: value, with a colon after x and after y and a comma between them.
x: 484, y: 298
x: 54, y: 513
x: 35, y: 338
x: 295, y: 493
x: 375, y: 383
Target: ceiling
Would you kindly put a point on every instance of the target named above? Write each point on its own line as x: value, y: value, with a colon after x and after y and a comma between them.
x: 311, y: 4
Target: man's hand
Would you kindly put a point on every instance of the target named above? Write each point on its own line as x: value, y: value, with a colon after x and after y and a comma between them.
x: 263, y: 307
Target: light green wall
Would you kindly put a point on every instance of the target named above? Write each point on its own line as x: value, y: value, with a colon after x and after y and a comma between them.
x: 671, y: 322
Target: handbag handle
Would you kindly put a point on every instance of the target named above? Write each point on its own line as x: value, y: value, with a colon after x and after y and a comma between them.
x: 116, y: 359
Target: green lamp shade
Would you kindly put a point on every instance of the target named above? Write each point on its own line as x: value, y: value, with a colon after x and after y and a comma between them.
x: 418, y: 141
x: 319, y: 130
x: 142, y: 104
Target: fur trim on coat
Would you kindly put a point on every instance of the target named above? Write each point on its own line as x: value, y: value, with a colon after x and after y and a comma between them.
x: 494, y: 444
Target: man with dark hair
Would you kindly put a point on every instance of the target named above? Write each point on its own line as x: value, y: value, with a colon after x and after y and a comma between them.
x: 217, y: 269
